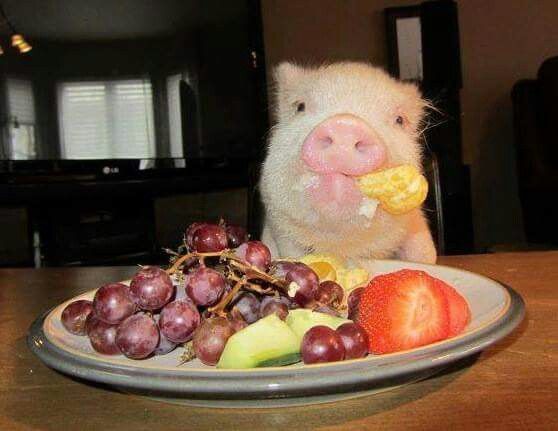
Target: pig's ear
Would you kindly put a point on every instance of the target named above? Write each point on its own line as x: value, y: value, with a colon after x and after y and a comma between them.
x: 286, y: 74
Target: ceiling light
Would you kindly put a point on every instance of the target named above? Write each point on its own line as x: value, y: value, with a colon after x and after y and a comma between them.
x: 24, y: 47
x: 17, y: 39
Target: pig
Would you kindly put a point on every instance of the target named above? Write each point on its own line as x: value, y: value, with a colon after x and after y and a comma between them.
x: 334, y: 123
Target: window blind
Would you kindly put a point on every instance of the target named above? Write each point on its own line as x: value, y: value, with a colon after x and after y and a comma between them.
x: 21, y: 103
x: 175, y: 119
x: 106, y: 119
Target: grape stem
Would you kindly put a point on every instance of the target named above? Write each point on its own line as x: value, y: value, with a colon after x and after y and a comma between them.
x: 251, y: 272
x: 220, y: 307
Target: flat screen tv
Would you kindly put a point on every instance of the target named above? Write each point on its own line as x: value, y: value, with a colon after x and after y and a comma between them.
x: 132, y: 84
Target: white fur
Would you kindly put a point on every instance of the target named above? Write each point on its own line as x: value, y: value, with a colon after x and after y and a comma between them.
x: 292, y: 227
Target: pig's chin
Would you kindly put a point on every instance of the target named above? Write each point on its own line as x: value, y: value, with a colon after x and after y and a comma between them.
x: 334, y: 196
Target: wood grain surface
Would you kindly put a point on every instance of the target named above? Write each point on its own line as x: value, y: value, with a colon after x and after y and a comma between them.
x: 512, y: 386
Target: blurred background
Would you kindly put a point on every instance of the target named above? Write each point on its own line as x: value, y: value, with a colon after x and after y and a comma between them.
x: 123, y: 121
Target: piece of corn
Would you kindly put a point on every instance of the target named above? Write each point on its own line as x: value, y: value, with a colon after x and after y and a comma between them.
x: 398, y: 189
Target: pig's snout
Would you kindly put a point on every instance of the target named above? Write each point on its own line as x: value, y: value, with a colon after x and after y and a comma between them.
x: 343, y: 144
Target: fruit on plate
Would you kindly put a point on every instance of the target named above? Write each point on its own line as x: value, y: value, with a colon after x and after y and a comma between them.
x: 151, y: 288
x: 403, y: 310
x: 354, y: 339
x: 353, y: 277
x: 399, y: 189
x: 330, y: 267
x: 321, y: 344
x: 74, y: 316
x: 210, y: 339
x: 301, y: 320
x: 459, y: 312
x: 268, y: 342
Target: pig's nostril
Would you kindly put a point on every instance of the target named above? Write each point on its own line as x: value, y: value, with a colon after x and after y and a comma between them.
x: 325, y: 142
x: 362, y: 147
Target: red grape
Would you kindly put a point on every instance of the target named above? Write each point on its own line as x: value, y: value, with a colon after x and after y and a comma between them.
x: 246, y: 306
x: 75, y: 315
x: 329, y: 293
x: 113, y: 303
x: 255, y: 253
x: 275, y: 307
x: 207, y: 237
x: 102, y: 336
x: 151, y: 288
x: 165, y: 345
x: 280, y: 268
x: 355, y: 340
x: 236, y: 235
x: 210, y: 339
x: 237, y: 323
x: 321, y: 344
x: 352, y: 302
x: 178, y: 321
x: 205, y: 286
x: 307, y: 281
x: 190, y: 231
x: 137, y: 336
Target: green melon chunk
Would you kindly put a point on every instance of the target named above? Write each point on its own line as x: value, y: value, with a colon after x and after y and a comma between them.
x: 301, y: 320
x: 265, y: 343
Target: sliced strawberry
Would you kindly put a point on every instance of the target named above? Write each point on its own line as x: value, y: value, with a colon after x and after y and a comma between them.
x: 459, y: 312
x: 403, y: 310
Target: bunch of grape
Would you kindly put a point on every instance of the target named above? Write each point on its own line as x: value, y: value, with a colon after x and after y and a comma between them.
x: 219, y: 285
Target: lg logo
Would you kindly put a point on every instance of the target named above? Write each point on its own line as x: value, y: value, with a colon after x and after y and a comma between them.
x: 110, y: 170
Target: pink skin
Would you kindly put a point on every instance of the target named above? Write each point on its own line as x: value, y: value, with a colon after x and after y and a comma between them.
x: 338, y: 149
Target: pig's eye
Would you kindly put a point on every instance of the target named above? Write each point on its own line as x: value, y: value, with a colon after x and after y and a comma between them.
x: 399, y: 120
x: 300, y: 106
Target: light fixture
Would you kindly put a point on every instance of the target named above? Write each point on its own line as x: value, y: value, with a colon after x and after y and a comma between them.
x: 17, y: 39
x: 24, y: 47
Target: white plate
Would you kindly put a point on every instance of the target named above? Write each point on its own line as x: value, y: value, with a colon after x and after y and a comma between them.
x: 495, y: 309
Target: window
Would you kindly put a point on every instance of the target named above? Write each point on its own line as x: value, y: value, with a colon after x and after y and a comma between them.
x: 106, y: 119
x: 175, y: 119
x: 20, y: 125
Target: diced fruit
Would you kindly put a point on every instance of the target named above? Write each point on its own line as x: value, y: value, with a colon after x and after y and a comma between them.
x: 334, y: 261
x: 459, y: 312
x: 323, y: 270
x: 301, y: 320
x: 403, y: 310
x: 355, y: 340
x: 268, y: 342
x: 350, y: 278
x: 321, y: 344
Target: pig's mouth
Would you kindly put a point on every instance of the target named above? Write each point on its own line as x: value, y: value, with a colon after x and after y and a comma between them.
x: 335, y: 195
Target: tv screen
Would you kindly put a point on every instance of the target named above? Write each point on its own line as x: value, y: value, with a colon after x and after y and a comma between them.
x: 133, y: 79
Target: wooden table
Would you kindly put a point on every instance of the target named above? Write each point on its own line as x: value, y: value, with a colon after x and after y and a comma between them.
x: 513, y: 385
